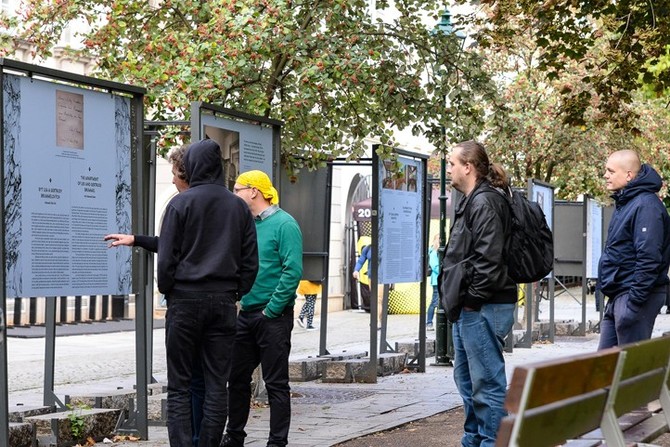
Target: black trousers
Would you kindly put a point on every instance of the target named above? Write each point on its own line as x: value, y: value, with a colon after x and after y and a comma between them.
x: 201, y: 324
x: 365, y: 297
x: 266, y: 341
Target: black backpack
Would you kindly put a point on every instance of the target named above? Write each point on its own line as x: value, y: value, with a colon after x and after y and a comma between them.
x: 530, y: 253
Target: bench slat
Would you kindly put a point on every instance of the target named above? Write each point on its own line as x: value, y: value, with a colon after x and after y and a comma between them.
x: 561, y: 379
x: 625, y: 422
x: 583, y: 443
x: 637, y: 391
x: 648, y: 430
x: 610, y: 394
x: 553, y: 424
x: 645, y: 355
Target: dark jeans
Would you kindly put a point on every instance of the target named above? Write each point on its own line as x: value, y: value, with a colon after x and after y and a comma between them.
x: 201, y: 324
x: 266, y: 341
x: 197, y: 398
x: 365, y: 297
x: 624, y: 323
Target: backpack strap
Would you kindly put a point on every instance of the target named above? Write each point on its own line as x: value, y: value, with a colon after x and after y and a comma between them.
x: 493, y: 190
x: 507, y: 195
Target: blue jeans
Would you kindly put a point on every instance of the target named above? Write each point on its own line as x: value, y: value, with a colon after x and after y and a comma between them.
x: 479, y: 370
x: 433, y: 305
x: 623, y: 323
x: 204, y: 324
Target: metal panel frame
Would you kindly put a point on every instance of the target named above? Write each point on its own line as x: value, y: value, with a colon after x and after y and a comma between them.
x: 139, y: 168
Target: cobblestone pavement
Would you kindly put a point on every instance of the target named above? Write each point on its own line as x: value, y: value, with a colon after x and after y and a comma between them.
x: 322, y: 414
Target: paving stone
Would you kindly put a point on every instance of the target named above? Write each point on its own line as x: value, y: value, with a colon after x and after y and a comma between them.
x: 118, y: 399
x: 18, y: 413
x: 567, y: 328
x: 327, y: 395
x: 303, y: 370
x: 55, y: 429
x: 412, y: 348
x: 157, y: 408
x: 346, y: 371
x: 391, y: 363
x: 344, y: 355
x: 156, y: 388
x: 357, y: 370
x: 20, y: 434
x: 519, y: 335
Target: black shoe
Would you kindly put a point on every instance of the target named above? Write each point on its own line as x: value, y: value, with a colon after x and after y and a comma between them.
x: 227, y: 441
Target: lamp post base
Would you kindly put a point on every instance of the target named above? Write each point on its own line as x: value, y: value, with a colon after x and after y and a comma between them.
x: 444, y: 346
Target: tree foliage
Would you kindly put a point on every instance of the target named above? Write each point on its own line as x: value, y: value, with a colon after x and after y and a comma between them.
x: 554, y: 125
x: 630, y: 36
x: 332, y: 71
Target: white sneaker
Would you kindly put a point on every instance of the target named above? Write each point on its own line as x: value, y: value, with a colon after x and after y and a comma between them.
x: 429, y: 327
x: 301, y: 322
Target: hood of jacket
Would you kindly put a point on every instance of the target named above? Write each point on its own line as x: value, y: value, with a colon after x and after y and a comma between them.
x: 202, y: 163
x: 647, y: 180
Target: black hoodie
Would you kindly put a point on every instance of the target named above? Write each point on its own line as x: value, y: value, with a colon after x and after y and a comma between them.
x: 208, y: 235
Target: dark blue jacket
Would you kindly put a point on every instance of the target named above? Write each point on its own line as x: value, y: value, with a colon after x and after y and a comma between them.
x: 208, y: 236
x: 637, y: 251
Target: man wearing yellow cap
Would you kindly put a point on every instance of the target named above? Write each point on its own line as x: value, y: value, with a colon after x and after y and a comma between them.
x: 265, y: 320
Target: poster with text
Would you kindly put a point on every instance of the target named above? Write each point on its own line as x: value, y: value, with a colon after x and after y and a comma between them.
x: 67, y: 184
x: 594, y: 236
x: 244, y: 146
x: 544, y: 196
x: 400, y: 221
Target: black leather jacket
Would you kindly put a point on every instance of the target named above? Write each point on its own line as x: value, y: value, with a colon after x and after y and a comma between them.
x: 477, y: 245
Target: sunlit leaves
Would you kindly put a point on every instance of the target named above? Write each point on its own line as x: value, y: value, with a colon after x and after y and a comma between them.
x: 333, y: 74
x: 614, y: 39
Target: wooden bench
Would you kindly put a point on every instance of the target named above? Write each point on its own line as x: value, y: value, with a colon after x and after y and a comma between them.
x: 608, y: 395
x: 633, y: 416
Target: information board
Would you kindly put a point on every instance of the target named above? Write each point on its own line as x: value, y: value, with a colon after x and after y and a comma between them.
x: 67, y: 184
x: 246, y: 143
x: 594, y: 236
x: 401, y: 221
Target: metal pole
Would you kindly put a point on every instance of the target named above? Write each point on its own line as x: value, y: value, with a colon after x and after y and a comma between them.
x: 442, y: 326
x: 323, y: 329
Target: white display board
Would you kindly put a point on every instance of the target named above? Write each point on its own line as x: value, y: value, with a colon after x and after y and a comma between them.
x: 244, y: 146
x: 67, y: 184
x: 594, y: 236
x: 401, y: 221
x: 544, y: 196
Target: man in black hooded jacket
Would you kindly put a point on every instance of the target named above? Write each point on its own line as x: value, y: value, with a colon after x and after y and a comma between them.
x: 208, y: 259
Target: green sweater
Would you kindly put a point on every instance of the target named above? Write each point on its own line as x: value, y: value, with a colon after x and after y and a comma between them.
x: 280, y: 264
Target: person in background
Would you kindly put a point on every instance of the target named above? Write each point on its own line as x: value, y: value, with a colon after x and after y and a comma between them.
x: 265, y: 320
x: 207, y: 259
x: 366, y: 259
x: 474, y: 266
x: 309, y: 290
x: 633, y: 269
x: 361, y: 273
x: 434, y: 264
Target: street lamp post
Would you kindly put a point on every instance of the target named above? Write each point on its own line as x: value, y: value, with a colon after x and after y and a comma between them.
x: 444, y: 346
x: 443, y: 341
